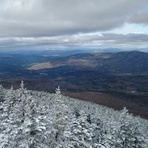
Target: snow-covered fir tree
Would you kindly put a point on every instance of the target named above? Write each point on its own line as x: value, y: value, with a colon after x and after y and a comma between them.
x: 32, y: 119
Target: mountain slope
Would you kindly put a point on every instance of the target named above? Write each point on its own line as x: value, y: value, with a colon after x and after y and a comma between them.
x: 122, y: 62
x: 43, y: 120
x: 132, y: 62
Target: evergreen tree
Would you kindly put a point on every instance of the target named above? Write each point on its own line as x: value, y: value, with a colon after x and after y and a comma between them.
x: 59, y: 115
x: 32, y: 119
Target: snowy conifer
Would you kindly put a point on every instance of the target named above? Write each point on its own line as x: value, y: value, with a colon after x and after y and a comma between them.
x: 32, y: 119
x: 22, y: 84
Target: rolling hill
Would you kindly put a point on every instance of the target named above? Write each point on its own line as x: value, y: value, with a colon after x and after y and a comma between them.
x: 122, y: 62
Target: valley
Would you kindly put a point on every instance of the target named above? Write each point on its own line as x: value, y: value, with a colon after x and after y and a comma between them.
x: 110, y: 79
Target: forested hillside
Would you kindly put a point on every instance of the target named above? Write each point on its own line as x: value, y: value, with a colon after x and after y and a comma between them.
x: 33, y: 119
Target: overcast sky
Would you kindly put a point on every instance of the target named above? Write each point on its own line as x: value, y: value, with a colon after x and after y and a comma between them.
x: 73, y: 24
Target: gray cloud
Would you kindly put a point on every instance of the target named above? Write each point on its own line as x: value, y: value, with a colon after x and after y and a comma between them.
x: 70, y: 23
x: 127, y: 41
x: 104, y: 40
x: 29, y: 18
x: 140, y: 18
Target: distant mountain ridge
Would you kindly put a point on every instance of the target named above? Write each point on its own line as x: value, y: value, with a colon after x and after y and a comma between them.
x: 121, y: 62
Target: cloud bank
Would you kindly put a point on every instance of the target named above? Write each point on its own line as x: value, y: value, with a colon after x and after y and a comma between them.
x: 71, y: 22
